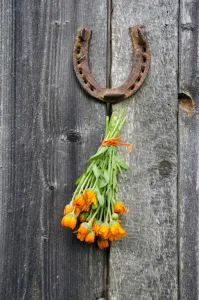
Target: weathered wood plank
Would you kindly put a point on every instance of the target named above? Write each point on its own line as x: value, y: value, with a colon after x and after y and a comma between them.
x: 188, y: 150
x: 56, y: 128
x: 144, y: 264
x: 6, y: 121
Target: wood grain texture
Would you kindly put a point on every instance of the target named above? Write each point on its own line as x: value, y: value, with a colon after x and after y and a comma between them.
x: 188, y: 150
x: 144, y: 264
x: 56, y: 127
x: 6, y: 121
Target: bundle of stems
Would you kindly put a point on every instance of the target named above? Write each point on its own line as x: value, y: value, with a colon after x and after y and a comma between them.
x: 95, y: 202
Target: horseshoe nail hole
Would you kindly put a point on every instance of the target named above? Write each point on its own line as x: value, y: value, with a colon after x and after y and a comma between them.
x: 144, y: 49
x: 80, y: 71
x: 78, y: 49
x: 85, y: 80
x: 132, y: 87
x: 78, y: 62
x: 138, y: 79
x: 144, y: 58
x: 92, y: 88
x: 142, y: 69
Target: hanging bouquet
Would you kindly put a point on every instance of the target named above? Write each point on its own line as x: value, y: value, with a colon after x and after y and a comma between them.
x: 95, y: 204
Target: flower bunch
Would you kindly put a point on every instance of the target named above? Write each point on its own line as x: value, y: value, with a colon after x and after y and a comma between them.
x: 95, y: 204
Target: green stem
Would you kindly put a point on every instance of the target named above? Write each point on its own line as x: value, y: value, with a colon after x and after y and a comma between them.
x: 110, y: 171
x: 101, y: 213
x: 95, y: 214
x: 107, y: 126
x: 95, y: 183
x: 120, y: 127
x: 88, y: 183
x: 81, y: 186
x: 90, y: 214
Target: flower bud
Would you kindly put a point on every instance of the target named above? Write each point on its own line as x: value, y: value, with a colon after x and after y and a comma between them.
x: 114, y: 216
x: 83, y: 216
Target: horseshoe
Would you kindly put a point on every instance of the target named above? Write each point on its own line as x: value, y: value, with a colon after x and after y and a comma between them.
x: 141, y: 64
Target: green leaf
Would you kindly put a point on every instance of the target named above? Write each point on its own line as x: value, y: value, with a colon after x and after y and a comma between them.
x: 121, y: 163
x: 100, y: 197
x: 102, y: 183
x: 79, y: 179
x: 96, y: 171
x: 106, y: 176
x: 99, y: 153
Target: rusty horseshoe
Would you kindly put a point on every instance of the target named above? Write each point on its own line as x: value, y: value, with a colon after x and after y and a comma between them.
x: 141, y: 64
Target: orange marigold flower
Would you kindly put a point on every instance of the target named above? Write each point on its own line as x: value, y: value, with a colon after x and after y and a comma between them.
x: 102, y: 244
x: 68, y: 209
x: 79, y: 201
x: 90, y: 237
x: 69, y: 220
x: 116, y: 231
x: 83, y: 216
x: 104, y: 231
x: 90, y: 197
x: 82, y: 231
x: 96, y: 227
x: 119, y: 208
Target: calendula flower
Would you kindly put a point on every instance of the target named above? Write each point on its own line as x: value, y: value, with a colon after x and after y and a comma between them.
x: 79, y: 201
x: 104, y: 230
x: 102, y: 244
x: 90, y: 237
x: 119, y: 208
x: 68, y: 209
x: 90, y: 197
x: 96, y: 227
x: 83, y: 230
x: 116, y: 231
x: 69, y: 220
x: 83, y: 216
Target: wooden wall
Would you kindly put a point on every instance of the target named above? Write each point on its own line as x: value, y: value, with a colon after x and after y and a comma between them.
x: 149, y: 269
x: 50, y: 127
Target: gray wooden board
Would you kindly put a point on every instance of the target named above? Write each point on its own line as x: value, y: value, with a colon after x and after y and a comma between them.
x: 6, y: 121
x: 55, y: 127
x: 144, y: 264
x: 188, y: 151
